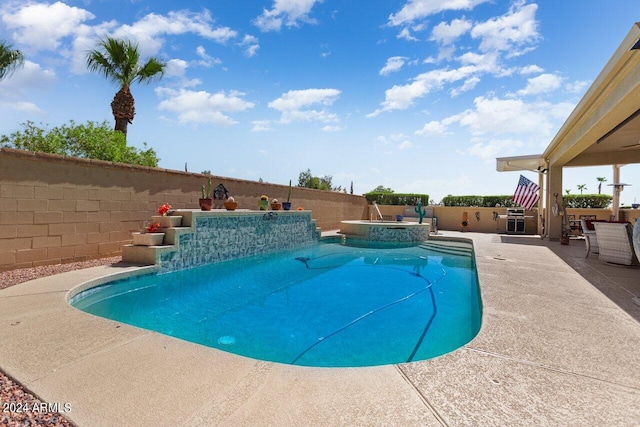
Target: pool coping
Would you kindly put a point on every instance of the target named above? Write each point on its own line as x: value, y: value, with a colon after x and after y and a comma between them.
x: 551, y: 347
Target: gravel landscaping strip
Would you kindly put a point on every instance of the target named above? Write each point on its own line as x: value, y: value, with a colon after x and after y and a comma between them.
x: 18, y: 407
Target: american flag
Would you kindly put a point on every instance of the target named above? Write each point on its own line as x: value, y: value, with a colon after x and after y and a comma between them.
x: 526, y: 194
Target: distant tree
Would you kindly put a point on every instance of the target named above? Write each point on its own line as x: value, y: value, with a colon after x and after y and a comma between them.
x: 568, y: 191
x: 206, y: 172
x: 119, y: 61
x: 90, y: 140
x: 307, y: 180
x: 600, y: 179
x: 582, y: 187
x: 10, y: 60
x: 381, y: 189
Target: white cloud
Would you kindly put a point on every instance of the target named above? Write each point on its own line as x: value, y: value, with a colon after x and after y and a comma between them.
x: 29, y: 76
x: 507, y: 35
x: 296, y: 99
x: 541, y: 84
x: 404, y: 145
x: 504, y: 33
x: 251, y: 45
x: 287, y: 12
x: 202, y: 107
x: 149, y: 30
x: 414, y: 10
x: 382, y: 140
x: 432, y: 128
x: 23, y: 107
x: 295, y: 105
x: 261, y: 126
x: 329, y: 128
x: 576, y: 87
x: 510, y: 116
x: 41, y: 26
x: 469, y: 84
x: 176, y: 68
x: 395, y: 63
x: 62, y: 28
x: 446, y: 34
x: 492, y: 149
x: 531, y: 69
x: 206, y: 60
x: 406, y: 34
x: 402, y: 97
x: 14, y: 89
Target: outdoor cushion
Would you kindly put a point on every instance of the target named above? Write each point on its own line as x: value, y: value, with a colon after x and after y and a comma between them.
x: 589, y: 223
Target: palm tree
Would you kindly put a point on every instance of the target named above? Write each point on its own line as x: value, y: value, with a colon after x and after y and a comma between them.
x: 600, y: 179
x: 119, y: 61
x: 582, y: 187
x: 10, y: 60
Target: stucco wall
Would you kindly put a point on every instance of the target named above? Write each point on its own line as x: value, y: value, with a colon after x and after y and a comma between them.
x: 61, y: 209
x: 450, y: 218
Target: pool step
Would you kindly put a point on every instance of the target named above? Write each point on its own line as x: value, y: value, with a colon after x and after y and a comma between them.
x: 448, y: 247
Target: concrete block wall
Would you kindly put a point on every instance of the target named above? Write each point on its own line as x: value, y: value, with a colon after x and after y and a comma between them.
x: 60, y: 209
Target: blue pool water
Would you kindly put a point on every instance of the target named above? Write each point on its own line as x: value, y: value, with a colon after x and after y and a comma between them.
x: 330, y: 304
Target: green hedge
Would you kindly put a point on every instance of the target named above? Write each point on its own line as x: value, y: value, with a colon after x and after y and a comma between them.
x: 480, y: 201
x: 587, y: 200
x: 584, y: 201
x: 397, y: 198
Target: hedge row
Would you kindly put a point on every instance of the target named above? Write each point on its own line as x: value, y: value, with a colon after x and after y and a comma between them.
x: 480, y: 201
x: 397, y: 198
x: 585, y: 201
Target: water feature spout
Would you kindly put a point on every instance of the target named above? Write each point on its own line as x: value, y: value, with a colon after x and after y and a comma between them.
x: 378, y: 210
x: 270, y: 216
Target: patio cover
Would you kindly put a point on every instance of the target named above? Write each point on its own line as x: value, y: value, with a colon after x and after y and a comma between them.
x: 603, y: 129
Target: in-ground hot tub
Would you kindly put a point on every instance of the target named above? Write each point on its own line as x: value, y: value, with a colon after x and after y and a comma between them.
x: 386, y: 231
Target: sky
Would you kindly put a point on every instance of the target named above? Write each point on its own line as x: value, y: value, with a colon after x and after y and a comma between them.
x: 418, y: 96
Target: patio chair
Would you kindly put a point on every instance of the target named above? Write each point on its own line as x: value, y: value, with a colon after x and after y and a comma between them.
x: 615, y: 243
x: 590, y: 237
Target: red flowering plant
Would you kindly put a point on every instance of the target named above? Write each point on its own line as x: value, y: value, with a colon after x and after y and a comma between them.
x: 152, y: 227
x: 163, y: 209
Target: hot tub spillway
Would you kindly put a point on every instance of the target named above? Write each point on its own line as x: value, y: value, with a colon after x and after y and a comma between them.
x: 386, y: 231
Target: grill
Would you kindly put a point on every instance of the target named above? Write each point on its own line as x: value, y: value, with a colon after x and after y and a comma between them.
x: 515, y: 221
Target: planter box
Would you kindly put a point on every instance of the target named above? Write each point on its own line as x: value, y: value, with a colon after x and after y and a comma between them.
x: 167, y: 221
x: 148, y: 239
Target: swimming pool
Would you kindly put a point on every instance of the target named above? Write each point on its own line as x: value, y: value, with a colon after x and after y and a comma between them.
x: 330, y: 304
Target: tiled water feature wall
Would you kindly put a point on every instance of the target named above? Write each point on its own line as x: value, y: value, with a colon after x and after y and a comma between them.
x: 216, y: 237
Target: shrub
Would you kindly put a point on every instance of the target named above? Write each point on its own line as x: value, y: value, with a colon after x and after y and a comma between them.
x: 601, y: 201
x: 480, y: 201
x: 91, y: 141
x: 386, y: 198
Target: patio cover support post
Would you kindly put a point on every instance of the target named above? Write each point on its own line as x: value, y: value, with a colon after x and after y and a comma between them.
x: 616, y: 192
x: 554, y: 185
x: 541, y: 202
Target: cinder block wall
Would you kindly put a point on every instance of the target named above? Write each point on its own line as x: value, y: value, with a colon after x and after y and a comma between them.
x: 61, y: 209
x: 450, y: 218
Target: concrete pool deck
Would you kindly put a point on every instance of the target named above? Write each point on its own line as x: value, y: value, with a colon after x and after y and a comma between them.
x: 559, y: 345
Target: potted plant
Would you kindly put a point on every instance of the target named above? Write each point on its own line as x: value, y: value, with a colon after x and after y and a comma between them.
x: 263, y: 203
x: 206, y: 202
x: 149, y: 236
x: 287, y: 205
x: 164, y: 217
x: 276, y: 205
x: 230, y: 204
